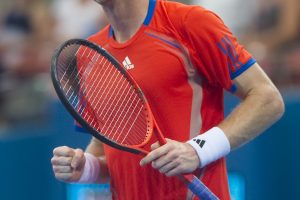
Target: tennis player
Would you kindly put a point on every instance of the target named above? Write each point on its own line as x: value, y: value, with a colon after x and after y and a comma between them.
x: 182, y: 57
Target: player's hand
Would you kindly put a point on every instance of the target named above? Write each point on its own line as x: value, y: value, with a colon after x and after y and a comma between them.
x: 173, y: 158
x: 68, y: 163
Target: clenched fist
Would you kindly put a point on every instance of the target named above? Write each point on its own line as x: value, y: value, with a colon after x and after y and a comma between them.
x: 68, y: 163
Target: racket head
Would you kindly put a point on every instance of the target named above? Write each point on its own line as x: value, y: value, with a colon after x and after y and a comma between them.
x: 65, y: 61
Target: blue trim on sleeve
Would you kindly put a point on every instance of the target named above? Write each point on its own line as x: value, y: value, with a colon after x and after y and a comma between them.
x: 236, y: 57
x: 230, y: 53
x: 233, y: 88
x: 242, y: 68
x: 80, y: 129
x: 151, y: 9
x: 111, y: 31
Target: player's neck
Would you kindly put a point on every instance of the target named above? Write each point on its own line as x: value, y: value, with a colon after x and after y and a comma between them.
x: 126, y: 17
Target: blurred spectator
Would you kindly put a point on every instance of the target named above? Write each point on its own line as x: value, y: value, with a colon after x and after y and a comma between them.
x: 236, y: 14
x: 23, y: 78
x: 274, y: 39
x: 77, y: 18
x: 276, y: 23
x: 30, y: 30
x: 18, y: 19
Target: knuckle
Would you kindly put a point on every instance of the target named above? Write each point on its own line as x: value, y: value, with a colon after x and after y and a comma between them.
x: 69, y: 151
x: 55, y: 161
x: 68, y: 160
x: 180, y: 168
x: 151, y: 156
x: 154, y: 165
x: 169, y: 174
x: 63, y: 176
x: 176, y: 162
x: 58, y: 176
x: 78, y: 151
x: 60, y: 148
x: 64, y: 147
x: 162, y: 170
x: 152, y: 146
x: 56, y: 150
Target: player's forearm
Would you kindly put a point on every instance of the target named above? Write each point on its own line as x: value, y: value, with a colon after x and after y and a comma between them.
x: 95, y: 148
x: 258, y: 111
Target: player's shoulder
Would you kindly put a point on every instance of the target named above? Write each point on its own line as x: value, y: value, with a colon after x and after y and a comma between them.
x: 183, y: 15
x: 100, y: 37
x: 178, y: 8
x: 174, y: 11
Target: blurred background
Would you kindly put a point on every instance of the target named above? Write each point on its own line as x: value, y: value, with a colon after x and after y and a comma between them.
x: 33, y: 122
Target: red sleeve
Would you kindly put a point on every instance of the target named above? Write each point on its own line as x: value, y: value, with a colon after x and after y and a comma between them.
x: 216, y: 52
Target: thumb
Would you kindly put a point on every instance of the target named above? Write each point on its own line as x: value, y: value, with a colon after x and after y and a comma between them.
x: 78, y: 159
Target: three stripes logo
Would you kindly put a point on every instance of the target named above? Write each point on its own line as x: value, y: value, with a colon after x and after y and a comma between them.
x: 127, y: 63
x: 199, y: 142
x: 228, y: 49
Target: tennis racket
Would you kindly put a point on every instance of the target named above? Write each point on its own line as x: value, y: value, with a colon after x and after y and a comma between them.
x: 105, y: 100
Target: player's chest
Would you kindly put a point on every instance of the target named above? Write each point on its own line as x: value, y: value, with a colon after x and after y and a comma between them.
x: 155, y: 63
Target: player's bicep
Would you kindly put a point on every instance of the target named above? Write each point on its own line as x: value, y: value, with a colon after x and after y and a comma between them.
x: 252, y: 81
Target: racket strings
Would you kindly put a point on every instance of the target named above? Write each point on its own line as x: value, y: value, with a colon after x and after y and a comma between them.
x: 102, y: 95
x: 71, y: 76
x: 121, y: 124
x: 113, y: 128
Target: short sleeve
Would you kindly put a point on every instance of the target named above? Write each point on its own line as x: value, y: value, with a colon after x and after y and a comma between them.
x: 216, y: 52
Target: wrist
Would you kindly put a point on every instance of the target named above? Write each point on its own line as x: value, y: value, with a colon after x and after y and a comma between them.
x: 91, y: 169
x: 210, y: 146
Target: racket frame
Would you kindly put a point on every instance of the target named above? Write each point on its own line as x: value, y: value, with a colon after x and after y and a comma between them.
x: 136, y: 149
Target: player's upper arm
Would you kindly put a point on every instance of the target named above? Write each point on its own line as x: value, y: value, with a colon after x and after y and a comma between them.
x: 254, y: 81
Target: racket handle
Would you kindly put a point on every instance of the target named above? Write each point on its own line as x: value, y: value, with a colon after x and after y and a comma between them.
x: 198, y: 188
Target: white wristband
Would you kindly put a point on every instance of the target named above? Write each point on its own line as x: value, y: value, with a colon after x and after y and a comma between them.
x: 210, y: 146
x: 91, y: 169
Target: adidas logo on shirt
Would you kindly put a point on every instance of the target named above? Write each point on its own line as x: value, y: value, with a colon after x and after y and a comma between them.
x: 127, y: 63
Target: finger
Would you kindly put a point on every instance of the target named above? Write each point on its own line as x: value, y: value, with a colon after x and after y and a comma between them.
x: 63, y: 161
x: 62, y: 169
x: 155, y: 146
x: 64, y: 151
x: 78, y: 158
x: 168, y: 167
x: 163, y: 160
x: 155, y: 154
x: 174, y: 172
x: 64, y: 176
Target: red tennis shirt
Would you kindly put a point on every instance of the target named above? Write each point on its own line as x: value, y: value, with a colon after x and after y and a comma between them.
x: 182, y: 57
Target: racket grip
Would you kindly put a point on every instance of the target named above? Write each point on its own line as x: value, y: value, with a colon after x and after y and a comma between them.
x: 198, y: 188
